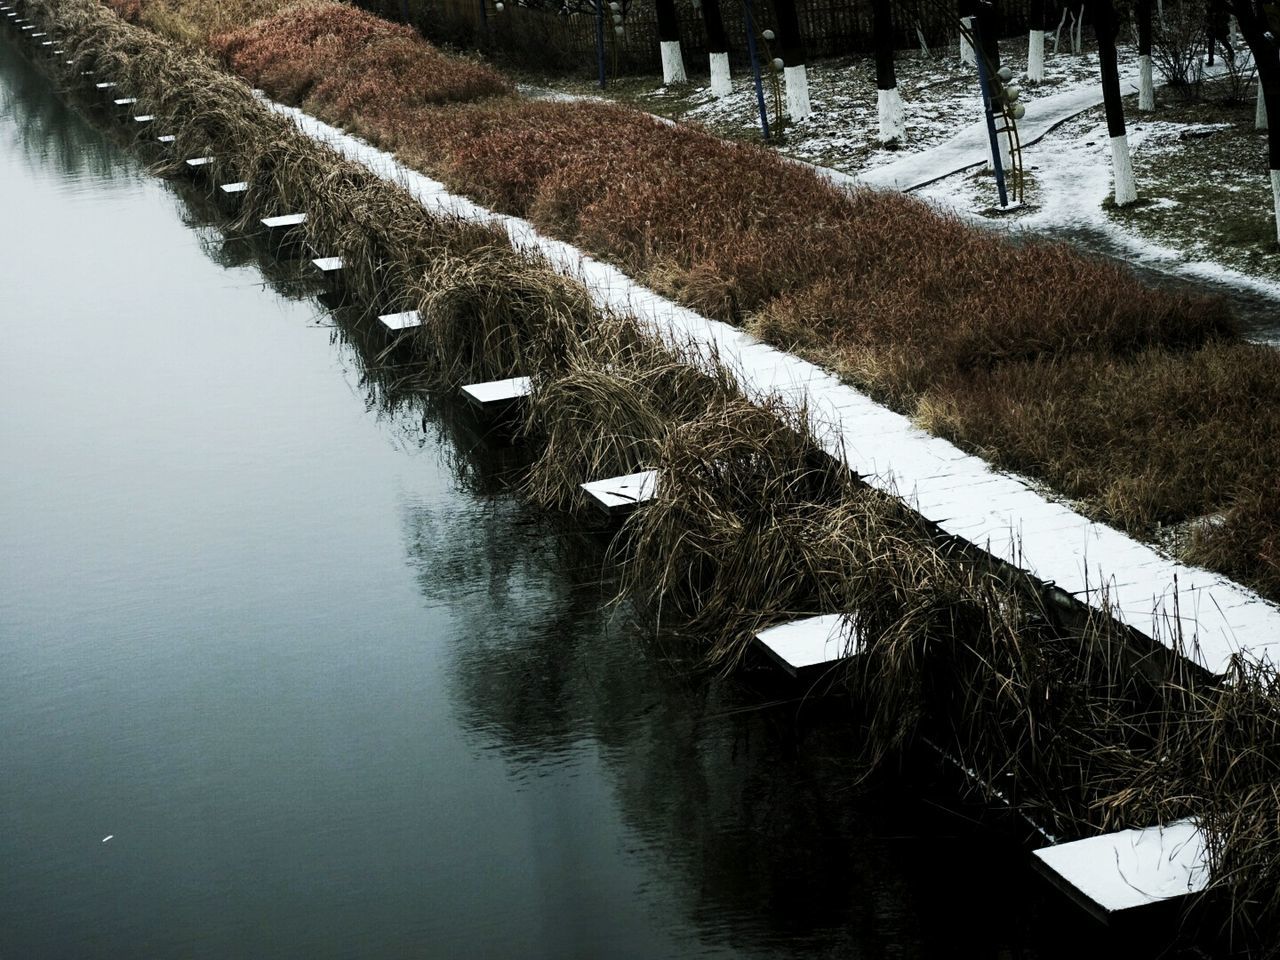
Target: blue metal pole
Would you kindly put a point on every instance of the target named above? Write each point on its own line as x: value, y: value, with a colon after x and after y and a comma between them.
x: 755, y: 68
x: 600, y: 40
x: 985, y: 82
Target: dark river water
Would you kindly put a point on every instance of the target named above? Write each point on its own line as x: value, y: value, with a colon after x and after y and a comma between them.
x: 279, y: 634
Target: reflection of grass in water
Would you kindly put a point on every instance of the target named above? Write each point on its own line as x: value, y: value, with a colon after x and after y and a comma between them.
x: 1207, y: 195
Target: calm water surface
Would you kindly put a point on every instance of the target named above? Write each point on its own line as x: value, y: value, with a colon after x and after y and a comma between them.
x: 333, y: 697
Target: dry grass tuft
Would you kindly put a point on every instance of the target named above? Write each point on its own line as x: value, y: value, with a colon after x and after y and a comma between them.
x: 605, y: 407
x: 351, y: 61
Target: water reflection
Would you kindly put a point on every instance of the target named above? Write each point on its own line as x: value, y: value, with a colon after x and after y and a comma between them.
x: 34, y: 118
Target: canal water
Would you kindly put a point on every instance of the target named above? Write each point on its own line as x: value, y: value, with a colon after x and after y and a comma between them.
x: 278, y: 633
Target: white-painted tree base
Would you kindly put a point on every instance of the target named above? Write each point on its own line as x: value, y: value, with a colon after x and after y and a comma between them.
x: 1275, y: 196
x: 893, y: 116
x: 1002, y: 141
x: 721, y: 85
x: 797, y: 80
x: 1146, y: 84
x: 966, y: 48
x: 1260, y: 114
x: 1035, y: 56
x: 672, y: 63
x: 1122, y: 168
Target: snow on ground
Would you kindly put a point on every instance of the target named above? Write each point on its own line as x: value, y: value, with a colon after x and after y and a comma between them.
x: 940, y: 93
x: 1068, y: 192
x: 1069, y: 168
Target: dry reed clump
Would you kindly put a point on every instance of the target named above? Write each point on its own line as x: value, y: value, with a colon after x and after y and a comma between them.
x: 604, y: 408
x: 494, y: 313
x: 725, y: 546
x: 386, y: 239
x: 351, y: 61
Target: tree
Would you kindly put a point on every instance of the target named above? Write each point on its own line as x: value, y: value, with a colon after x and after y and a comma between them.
x: 1259, y: 22
x: 1146, y: 85
x: 966, y: 8
x: 1104, y: 18
x: 791, y: 46
x: 669, y: 43
x: 1035, y: 43
x: 717, y: 48
x: 892, y: 117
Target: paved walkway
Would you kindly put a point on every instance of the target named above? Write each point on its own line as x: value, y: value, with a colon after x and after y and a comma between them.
x: 969, y: 147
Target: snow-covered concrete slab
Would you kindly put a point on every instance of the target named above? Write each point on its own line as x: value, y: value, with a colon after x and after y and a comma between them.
x: 620, y: 495
x: 1131, y: 868
x: 286, y: 221
x: 327, y: 266
x: 811, y: 642
x: 1097, y: 564
x: 401, y: 321
x: 144, y: 118
x: 497, y: 395
x: 233, y: 189
x: 198, y: 163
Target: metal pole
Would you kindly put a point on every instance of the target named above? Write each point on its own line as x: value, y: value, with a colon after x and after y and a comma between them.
x: 600, y: 40
x: 755, y: 68
x: 984, y: 81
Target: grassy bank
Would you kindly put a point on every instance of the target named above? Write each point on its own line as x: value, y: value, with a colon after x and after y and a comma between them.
x: 955, y: 327
x: 752, y: 522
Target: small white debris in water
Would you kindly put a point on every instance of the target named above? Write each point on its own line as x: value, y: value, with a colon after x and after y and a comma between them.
x: 107, y: 837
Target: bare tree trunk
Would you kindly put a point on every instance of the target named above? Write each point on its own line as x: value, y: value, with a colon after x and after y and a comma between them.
x: 717, y: 48
x: 966, y: 8
x: 892, y: 117
x: 669, y: 43
x: 791, y: 45
x: 1146, y: 83
x: 1035, y: 43
x: 1259, y: 33
x: 989, y: 26
x: 991, y: 23
x: 1104, y: 19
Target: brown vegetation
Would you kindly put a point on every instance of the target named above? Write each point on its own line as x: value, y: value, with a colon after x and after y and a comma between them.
x: 1049, y: 361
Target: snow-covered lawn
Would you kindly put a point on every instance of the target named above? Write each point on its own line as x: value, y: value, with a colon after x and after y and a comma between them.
x: 1205, y: 204
x: 1204, y: 207
x: 940, y: 93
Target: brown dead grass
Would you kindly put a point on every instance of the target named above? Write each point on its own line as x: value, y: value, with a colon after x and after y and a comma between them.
x: 1052, y: 362
x: 352, y: 61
